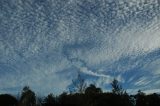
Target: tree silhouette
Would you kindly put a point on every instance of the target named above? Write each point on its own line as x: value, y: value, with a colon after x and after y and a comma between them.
x: 50, y: 100
x: 28, y: 97
x: 141, y: 99
x: 62, y: 99
x: 153, y: 99
x: 39, y: 101
x: 116, y: 87
x: 93, y: 96
x: 92, y: 89
x: 7, y: 100
x: 79, y: 84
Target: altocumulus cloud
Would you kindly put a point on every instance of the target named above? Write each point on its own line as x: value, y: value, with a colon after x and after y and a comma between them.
x: 43, y: 43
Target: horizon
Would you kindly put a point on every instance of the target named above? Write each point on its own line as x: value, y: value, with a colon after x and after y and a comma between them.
x: 45, y: 43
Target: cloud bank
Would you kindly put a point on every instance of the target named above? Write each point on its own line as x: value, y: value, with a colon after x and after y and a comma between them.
x: 43, y: 43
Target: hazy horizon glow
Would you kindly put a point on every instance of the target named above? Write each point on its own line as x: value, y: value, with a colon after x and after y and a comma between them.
x: 44, y: 43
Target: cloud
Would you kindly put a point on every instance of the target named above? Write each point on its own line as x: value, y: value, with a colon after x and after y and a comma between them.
x: 143, y: 81
x: 103, y: 39
x: 86, y: 71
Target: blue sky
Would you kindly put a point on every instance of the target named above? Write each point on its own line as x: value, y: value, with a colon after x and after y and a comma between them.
x: 44, y: 43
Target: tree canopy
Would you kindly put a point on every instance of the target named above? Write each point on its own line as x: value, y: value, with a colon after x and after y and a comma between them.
x: 92, y: 96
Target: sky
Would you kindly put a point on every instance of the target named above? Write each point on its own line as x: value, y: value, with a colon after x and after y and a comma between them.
x: 45, y: 43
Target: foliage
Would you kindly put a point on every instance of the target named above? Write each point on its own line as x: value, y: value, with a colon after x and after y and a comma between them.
x: 92, y: 90
x: 8, y: 100
x: 50, y: 100
x: 79, y: 84
x: 93, y: 96
x: 28, y: 97
x: 116, y: 87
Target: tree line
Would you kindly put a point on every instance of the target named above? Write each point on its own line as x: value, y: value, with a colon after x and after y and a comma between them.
x: 83, y: 95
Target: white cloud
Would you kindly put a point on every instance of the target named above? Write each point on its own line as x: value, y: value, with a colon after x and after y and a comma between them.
x: 131, y: 40
x: 42, y: 42
x: 143, y: 81
x: 90, y: 72
x: 149, y: 91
